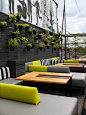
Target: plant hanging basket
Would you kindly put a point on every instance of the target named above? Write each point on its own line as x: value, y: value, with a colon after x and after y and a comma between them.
x: 26, y: 28
x: 34, y: 31
x: 28, y: 48
x: 18, y: 18
x: 30, y: 33
x: 14, y: 35
x: 40, y: 48
x: 3, y: 27
x: 33, y: 46
x: 48, y: 47
x: 54, y: 48
x: 39, y: 36
x: 51, y: 33
x: 21, y: 28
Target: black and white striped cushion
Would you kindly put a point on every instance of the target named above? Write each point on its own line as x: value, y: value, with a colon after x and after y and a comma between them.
x: 44, y: 62
x: 53, y: 62
x: 5, y: 73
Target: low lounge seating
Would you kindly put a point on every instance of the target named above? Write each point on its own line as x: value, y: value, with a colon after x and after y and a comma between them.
x: 78, y: 80
x: 5, y: 76
x: 49, y: 104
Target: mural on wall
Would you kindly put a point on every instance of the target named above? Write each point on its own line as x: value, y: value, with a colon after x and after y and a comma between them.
x: 33, y: 11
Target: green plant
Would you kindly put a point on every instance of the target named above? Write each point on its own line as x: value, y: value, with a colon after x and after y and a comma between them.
x: 34, y: 29
x: 17, y: 25
x: 3, y: 23
x: 11, y: 17
x: 26, y: 25
x: 49, y: 37
x: 56, y: 46
x: 13, y: 43
x: 46, y: 31
x: 29, y: 45
x: 24, y: 40
x: 46, y: 40
x: 59, y: 40
x: 41, y: 44
x: 42, y: 35
x: 57, y: 34
x: 53, y: 42
x: 53, y: 39
x: 33, y: 43
x: 48, y: 44
x: 19, y: 14
x: 17, y: 32
x: 30, y: 30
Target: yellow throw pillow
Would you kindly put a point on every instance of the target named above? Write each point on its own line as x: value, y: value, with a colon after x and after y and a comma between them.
x: 55, y: 58
x: 19, y: 93
x: 38, y: 62
x: 37, y: 68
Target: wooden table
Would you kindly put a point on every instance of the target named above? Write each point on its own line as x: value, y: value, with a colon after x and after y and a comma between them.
x: 76, y: 65
x: 33, y: 78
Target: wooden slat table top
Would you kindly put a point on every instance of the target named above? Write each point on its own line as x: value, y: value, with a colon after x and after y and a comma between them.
x: 33, y: 77
x: 69, y: 65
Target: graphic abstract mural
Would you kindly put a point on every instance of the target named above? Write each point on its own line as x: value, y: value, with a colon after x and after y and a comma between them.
x: 34, y: 11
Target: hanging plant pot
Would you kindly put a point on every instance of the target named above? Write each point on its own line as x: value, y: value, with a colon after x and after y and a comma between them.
x: 28, y: 48
x: 35, y: 38
x: 18, y: 18
x: 30, y: 33
x: 14, y: 35
x: 11, y: 48
x: 20, y: 28
x: 52, y: 44
x: 34, y: 31
x: 48, y: 47
x: 51, y: 33
x: 54, y: 48
x: 45, y: 42
x: 33, y: 46
x: 40, y: 48
x: 39, y: 36
x: 26, y: 28
x: 3, y: 27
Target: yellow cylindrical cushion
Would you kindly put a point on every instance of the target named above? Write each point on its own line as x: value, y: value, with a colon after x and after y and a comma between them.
x: 71, y: 61
x: 37, y: 68
x: 55, y: 58
x: 38, y: 62
x: 19, y: 93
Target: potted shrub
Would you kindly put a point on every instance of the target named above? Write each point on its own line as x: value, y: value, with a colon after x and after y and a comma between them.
x: 26, y: 27
x: 41, y: 45
x: 33, y: 44
x: 11, y: 18
x: 40, y: 36
x: 48, y: 46
x: 56, y: 46
x: 29, y: 46
x: 53, y: 43
x: 23, y: 40
x: 46, y: 31
x: 34, y: 30
x: 49, y: 37
x: 30, y: 31
x: 3, y: 25
x: 59, y: 40
x: 20, y: 26
x: 53, y: 39
x: 13, y: 43
x: 46, y: 40
x: 18, y: 16
x: 14, y: 34
x: 57, y: 35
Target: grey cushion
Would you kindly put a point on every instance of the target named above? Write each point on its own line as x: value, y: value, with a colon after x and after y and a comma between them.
x: 58, y: 69
x: 11, y: 81
x: 26, y: 66
x: 79, y: 79
x: 49, y: 105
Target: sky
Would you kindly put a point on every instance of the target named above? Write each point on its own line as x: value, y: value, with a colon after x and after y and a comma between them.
x: 75, y: 16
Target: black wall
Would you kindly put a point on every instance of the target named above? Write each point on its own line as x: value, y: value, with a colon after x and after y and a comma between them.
x: 21, y: 53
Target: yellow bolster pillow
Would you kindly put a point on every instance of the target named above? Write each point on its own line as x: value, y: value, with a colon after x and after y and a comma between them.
x: 19, y: 93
